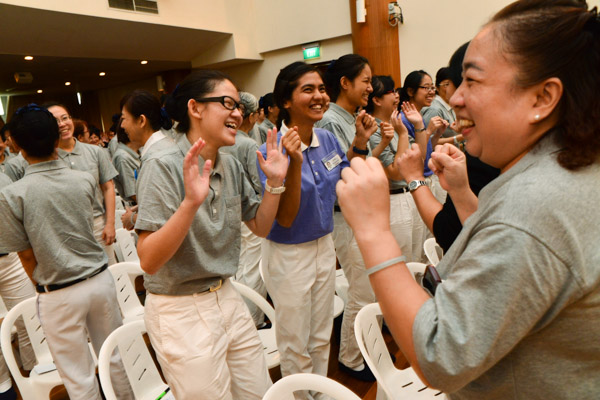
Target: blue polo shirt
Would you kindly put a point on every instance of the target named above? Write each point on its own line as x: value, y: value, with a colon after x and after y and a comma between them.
x: 322, y: 166
x: 411, y: 132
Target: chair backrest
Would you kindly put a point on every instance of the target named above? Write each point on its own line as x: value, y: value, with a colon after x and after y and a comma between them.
x: 126, y: 244
x: 124, y: 274
x: 118, y: 222
x: 392, y: 383
x: 433, y: 251
x: 284, y: 388
x: 257, y: 299
x: 143, y: 375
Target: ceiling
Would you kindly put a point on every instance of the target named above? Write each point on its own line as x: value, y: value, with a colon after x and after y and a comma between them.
x: 76, y: 48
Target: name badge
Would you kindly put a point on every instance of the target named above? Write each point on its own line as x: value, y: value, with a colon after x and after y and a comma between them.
x: 332, y: 160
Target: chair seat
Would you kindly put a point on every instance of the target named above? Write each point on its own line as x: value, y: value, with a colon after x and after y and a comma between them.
x: 338, y: 306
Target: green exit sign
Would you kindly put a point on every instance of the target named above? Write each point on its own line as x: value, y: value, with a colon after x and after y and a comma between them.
x: 311, y: 51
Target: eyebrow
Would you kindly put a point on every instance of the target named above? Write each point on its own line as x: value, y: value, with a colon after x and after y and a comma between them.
x: 469, y: 65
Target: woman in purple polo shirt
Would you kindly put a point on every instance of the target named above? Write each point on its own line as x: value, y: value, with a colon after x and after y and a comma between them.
x: 299, y: 255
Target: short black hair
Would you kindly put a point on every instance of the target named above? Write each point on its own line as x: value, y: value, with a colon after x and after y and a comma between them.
x: 3, y: 132
x: 35, y: 130
x: 268, y: 100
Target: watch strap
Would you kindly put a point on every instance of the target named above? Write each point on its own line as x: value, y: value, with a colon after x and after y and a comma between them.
x: 274, y: 190
x: 356, y: 150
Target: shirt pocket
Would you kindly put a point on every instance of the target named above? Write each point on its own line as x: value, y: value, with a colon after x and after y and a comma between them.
x: 233, y: 206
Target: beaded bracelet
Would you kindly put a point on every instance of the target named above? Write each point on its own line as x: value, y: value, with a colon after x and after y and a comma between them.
x: 385, y: 264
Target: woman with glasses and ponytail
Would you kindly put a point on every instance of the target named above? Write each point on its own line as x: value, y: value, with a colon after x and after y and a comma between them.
x: 192, y: 200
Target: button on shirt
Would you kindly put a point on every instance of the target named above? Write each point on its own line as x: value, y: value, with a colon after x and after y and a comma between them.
x: 93, y: 160
x: 315, y: 214
x: 211, y: 248
x: 411, y: 133
x: 49, y: 210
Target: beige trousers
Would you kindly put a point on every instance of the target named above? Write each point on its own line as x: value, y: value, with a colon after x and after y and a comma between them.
x: 207, y: 346
x: 301, y: 281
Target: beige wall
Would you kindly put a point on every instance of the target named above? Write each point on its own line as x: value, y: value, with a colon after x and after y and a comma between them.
x: 258, y: 78
x: 434, y: 29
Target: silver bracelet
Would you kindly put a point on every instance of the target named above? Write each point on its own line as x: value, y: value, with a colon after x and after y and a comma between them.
x: 385, y: 264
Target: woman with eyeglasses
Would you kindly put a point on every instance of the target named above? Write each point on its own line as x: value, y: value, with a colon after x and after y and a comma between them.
x: 192, y: 200
x: 440, y: 106
x: 92, y: 159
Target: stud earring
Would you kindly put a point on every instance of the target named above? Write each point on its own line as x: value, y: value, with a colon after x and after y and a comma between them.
x: 537, y: 117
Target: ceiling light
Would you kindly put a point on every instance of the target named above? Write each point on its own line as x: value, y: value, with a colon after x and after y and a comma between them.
x: 144, y: 62
x: 28, y: 58
x: 67, y: 83
x: 102, y: 73
x: 40, y: 91
x: 79, y: 98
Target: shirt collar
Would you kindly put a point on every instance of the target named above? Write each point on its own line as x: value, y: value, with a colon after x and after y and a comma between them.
x: 44, y: 166
x: 128, y: 149
x: 314, y: 141
x: 184, y: 146
x: 156, y: 136
x: 349, y: 118
x: 76, y: 150
x: 443, y: 103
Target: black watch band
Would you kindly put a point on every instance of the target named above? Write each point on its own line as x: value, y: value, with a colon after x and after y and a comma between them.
x: 358, y: 151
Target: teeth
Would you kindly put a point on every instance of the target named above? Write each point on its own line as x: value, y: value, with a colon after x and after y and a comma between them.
x: 464, y: 123
x: 316, y: 107
x: 230, y: 125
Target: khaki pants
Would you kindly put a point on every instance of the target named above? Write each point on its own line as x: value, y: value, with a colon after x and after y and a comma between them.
x: 207, y: 345
x: 68, y: 316
x: 15, y: 286
x: 301, y: 281
x: 99, y: 223
x: 248, y: 272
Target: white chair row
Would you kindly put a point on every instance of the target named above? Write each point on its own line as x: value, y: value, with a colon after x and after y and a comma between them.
x: 124, y: 246
x: 433, y: 251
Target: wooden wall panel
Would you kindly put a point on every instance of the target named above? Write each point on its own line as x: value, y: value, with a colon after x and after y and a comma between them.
x: 376, y: 39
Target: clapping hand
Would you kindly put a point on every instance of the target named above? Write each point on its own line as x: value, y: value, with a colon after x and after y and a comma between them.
x: 276, y: 165
x: 196, y: 185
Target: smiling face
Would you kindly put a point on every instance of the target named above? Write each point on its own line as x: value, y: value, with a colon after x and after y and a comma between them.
x: 360, y: 87
x: 65, y: 122
x: 424, y: 94
x: 132, y: 127
x: 492, y: 111
x: 218, y: 125
x: 308, y: 100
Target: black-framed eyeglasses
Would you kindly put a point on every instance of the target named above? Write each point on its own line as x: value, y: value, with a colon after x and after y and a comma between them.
x: 227, y: 101
x: 428, y: 88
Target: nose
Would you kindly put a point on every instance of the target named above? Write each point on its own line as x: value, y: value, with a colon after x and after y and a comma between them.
x: 457, y: 100
x: 370, y: 88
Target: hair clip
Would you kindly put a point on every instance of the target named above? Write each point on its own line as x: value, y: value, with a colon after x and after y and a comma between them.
x: 32, y: 107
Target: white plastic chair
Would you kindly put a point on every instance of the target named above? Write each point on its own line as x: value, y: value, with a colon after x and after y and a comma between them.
x: 392, y: 383
x: 433, y: 251
x: 118, y: 222
x: 37, y: 385
x: 119, y: 203
x: 124, y: 274
x: 142, y: 373
x: 126, y: 244
x: 341, y: 285
x: 284, y: 388
x: 267, y: 336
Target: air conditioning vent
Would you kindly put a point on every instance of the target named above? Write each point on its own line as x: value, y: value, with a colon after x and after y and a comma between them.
x: 147, y: 6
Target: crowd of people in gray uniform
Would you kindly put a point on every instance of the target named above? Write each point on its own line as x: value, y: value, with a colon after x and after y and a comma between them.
x: 498, y: 159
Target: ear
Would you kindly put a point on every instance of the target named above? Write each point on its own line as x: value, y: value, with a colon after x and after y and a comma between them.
x: 287, y: 104
x: 194, y: 109
x: 377, y: 101
x: 547, y: 96
x: 410, y: 92
x: 345, y: 83
x: 143, y: 121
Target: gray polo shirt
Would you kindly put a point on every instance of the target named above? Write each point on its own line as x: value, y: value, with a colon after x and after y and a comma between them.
x: 113, y: 144
x: 244, y: 150
x: 254, y: 134
x: 94, y: 160
x: 4, y: 180
x: 439, y: 108
x: 127, y: 162
x: 342, y: 124
x: 263, y: 128
x: 388, y: 154
x: 211, y: 249
x: 15, y: 167
x: 50, y: 211
x: 7, y: 156
x: 518, y: 313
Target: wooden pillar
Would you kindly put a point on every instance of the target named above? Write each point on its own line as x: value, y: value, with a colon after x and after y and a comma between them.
x: 376, y: 40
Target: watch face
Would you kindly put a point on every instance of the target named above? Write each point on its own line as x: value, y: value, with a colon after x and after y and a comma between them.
x: 412, y: 185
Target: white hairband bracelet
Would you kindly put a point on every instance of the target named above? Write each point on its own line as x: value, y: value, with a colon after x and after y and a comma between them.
x: 385, y: 264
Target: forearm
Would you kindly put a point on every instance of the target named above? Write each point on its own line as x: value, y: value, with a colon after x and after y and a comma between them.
x: 379, y: 149
x: 465, y: 203
x: 398, y: 311
x: 392, y: 171
x: 290, y: 199
x: 29, y: 262
x: 156, y: 248
x: 261, y: 224
x: 108, y: 191
x: 427, y: 205
x: 422, y: 139
x: 359, y: 143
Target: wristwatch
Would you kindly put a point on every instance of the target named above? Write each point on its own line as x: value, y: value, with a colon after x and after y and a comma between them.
x: 274, y: 190
x: 413, y: 185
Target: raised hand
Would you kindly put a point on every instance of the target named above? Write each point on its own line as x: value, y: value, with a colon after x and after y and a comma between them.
x: 293, y: 144
x: 196, y: 185
x: 365, y: 125
x: 276, y: 164
x: 450, y: 165
x: 397, y: 123
x: 437, y: 126
x: 363, y: 194
x: 412, y: 115
x: 387, y: 132
x: 410, y: 164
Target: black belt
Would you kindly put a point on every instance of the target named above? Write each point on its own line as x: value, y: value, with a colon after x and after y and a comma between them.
x: 51, y: 288
x: 337, y: 209
x: 4, y: 254
x: 400, y: 190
